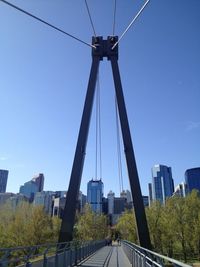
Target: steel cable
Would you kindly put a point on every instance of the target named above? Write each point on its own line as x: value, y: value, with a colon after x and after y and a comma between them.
x: 98, y: 152
x: 119, y: 149
x: 114, y: 16
x: 131, y: 23
x: 100, y: 146
x: 90, y: 17
x: 46, y: 23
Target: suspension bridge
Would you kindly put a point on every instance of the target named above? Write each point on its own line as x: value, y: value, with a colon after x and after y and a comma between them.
x: 96, y: 253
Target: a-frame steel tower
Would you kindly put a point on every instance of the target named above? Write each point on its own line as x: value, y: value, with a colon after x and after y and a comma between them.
x: 104, y: 48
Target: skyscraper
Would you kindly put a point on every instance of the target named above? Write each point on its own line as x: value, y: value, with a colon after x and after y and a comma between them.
x: 33, y: 186
x: 29, y: 189
x: 39, y: 180
x: 150, y: 193
x: 3, y: 180
x: 95, y: 195
x: 162, y: 183
x: 192, y: 179
x: 44, y: 199
x: 111, y: 197
x: 181, y: 190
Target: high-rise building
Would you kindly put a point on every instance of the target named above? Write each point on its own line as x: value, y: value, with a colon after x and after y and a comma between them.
x: 162, y: 183
x: 58, y: 206
x: 145, y: 201
x: 129, y: 197
x: 150, y: 193
x: 3, y: 180
x: 44, y: 199
x: 119, y: 208
x: 17, y: 200
x: 39, y: 180
x: 33, y: 186
x: 81, y: 201
x: 29, y: 189
x: 4, y: 197
x: 181, y: 190
x: 192, y: 179
x: 95, y: 195
x: 105, y: 205
x: 111, y: 197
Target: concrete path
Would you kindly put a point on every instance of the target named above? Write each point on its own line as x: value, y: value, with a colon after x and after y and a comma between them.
x: 109, y: 256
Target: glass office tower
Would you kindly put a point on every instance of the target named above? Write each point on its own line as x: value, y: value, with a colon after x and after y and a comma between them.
x: 95, y: 195
x: 192, y: 179
x: 162, y: 183
x: 3, y: 180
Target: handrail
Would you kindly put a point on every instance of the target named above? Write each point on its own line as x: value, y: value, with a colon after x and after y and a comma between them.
x: 155, y: 255
x: 64, y: 251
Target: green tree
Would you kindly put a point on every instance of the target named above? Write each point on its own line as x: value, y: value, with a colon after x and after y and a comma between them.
x: 179, y: 217
x: 192, y: 211
x: 126, y: 226
x: 27, y: 225
x: 154, y: 218
x: 167, y: 228
x: 91, y: 226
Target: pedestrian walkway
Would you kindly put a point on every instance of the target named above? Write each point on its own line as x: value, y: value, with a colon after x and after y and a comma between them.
x: 109, y: 256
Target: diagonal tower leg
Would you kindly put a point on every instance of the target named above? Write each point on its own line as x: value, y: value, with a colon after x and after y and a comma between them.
x: 141, y: 222
x: 77, y: 168
x: 104, y: 48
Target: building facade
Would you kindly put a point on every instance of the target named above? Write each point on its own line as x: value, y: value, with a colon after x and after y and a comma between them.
x: 17, y: 199
x: 162, y: 183
x: 3, y: 180
x: 192, y: 179
x: 150, y: 193
x: 95, y: 195
x: 58, y: 206
x: 4, y: 197
x: 39, y: 181
x: 181, y: 190
x: 29, y: 189
x: 44, y: 199
x: 111, y: 197
x: 82, y: 199
x: 145, y: 201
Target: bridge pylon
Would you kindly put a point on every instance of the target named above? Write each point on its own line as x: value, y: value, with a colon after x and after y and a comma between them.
x: 104, y: 48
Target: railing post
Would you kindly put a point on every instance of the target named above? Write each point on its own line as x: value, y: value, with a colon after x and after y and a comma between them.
x: 75, y: 252
x: 28, y: 264
x: 45, y: 261
x: 64, y: 257
x: 56, y: 259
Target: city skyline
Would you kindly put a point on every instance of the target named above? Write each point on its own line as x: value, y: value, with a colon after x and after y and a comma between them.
x: 36, y: 176
x: 42, y: 97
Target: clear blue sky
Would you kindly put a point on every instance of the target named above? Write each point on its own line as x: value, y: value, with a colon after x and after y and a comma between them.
x: 44, y: 76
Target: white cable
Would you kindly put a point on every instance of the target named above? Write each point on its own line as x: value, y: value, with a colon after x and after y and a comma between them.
x: 133, y: 20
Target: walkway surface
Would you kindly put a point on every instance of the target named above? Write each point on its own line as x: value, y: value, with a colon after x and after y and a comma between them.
x: 109, y: 256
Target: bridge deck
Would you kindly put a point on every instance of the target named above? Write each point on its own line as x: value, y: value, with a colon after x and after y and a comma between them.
x: 110, y: 256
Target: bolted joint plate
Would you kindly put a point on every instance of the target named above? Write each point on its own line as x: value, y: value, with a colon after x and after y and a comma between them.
x: 104, y: 47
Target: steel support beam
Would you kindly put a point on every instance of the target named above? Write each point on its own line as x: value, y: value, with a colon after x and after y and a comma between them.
x: 141, y: 222
x: 77, y: 168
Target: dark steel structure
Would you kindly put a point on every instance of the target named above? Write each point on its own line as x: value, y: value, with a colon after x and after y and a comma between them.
x: 104, y: 49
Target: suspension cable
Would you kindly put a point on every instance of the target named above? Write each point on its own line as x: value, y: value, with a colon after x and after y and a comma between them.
x: 119, y: 149
x: 133, y: 20
x: 98, y: 151
x: 90, y: 17
x: 100, y: 147
x: 46, y: 23
x: 114, y: 16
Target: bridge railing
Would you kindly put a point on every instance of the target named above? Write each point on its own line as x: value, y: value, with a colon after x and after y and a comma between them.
x: 49, y: 255
x: 141, y: 257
